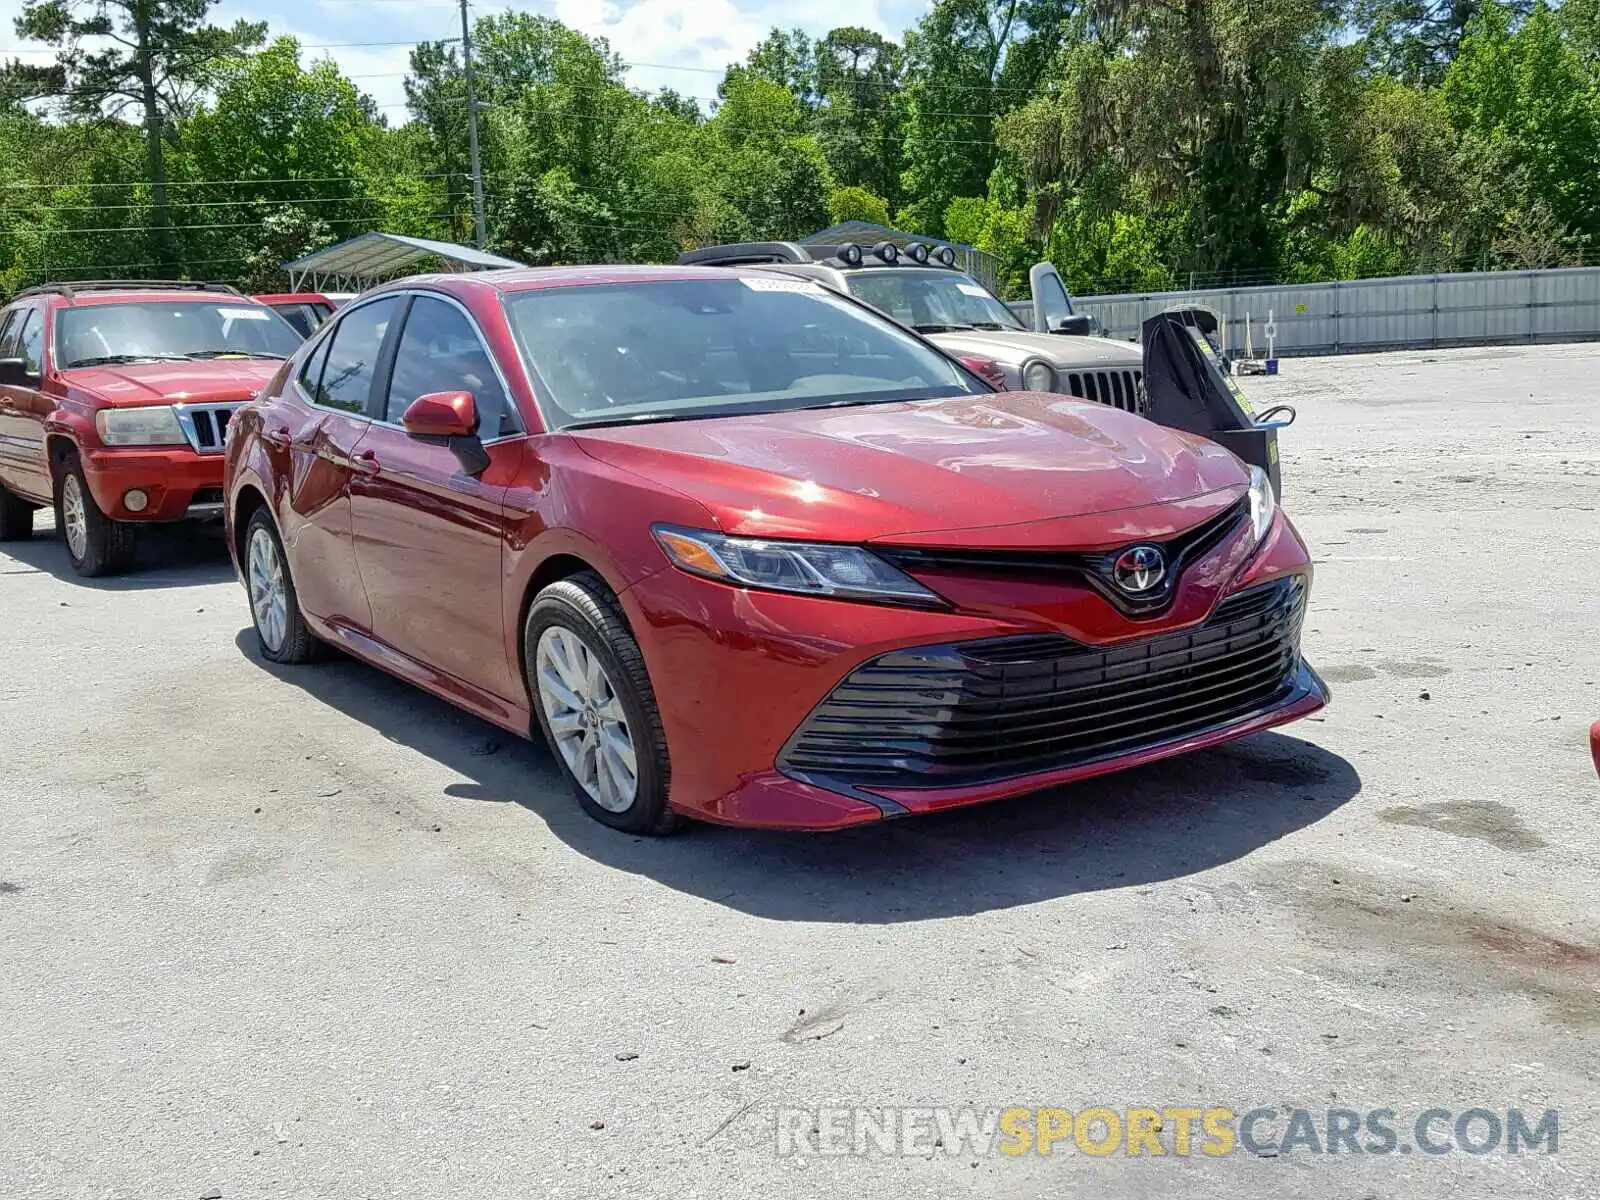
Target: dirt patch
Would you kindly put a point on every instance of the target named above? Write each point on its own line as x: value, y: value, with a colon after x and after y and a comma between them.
x: 1366, y: 935
x: 1486, y: 820
x: 1348, y: 673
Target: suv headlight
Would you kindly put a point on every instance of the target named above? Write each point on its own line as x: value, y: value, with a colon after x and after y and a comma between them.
x: 809, y: 568
x: 153, y: 426
x: 1263, y: 503
x: 1038, y: 376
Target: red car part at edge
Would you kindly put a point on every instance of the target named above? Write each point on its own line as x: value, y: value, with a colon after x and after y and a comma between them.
x: 400, y: 559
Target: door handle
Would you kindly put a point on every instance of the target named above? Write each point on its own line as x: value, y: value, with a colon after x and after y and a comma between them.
x: 365, y: 463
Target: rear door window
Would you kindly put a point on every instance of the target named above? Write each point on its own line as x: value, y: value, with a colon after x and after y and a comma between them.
x: 9, y: 330
x: 352, y: 362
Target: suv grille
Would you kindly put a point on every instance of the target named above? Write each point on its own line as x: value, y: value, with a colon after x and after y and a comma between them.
x: 206, y: 425
x: 971, y: 712
x: 1119, y: 389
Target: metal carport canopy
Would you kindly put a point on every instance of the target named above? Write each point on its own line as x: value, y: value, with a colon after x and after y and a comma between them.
x: 373, y: 257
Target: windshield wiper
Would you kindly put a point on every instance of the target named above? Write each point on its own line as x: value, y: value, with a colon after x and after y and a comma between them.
x: 941, y: 328
x: 104, y: 360
x: 234, y: 353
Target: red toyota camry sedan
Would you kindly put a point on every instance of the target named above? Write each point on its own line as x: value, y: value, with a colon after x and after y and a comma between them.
x: 746, y: 551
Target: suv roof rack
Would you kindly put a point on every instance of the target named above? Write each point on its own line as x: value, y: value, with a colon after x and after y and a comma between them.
x: 71, y: 288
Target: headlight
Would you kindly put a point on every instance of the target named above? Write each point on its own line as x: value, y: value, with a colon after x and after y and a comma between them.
x: 1263, y: 503
x: 810, y: 568
x: 1038, y: 376
x: 154, y: 426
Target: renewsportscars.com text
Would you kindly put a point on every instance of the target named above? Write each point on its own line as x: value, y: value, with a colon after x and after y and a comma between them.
x: 1176, y: 1131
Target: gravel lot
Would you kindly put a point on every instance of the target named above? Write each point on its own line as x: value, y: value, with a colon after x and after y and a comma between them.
x: 308, y: 933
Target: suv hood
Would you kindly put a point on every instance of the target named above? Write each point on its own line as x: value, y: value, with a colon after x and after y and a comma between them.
x: 1005, y: 470
x: 206, y: 381
x: 1013, y: 347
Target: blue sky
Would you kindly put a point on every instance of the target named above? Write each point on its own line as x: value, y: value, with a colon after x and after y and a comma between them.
x: 683, y: 44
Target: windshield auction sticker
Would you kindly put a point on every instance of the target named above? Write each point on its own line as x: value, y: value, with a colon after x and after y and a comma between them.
x: 763, y: 283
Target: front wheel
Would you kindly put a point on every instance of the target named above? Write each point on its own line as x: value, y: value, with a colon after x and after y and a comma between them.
x: 96, y: 545
x: 594, y: 701
x: 281, y: 628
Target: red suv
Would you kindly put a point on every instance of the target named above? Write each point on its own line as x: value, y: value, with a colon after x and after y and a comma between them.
x: 114, y: 406
x: 744, y: 549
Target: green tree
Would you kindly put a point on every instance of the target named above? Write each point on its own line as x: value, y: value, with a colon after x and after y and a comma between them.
x: 162, y: 56
x: 287, y: 137
x: 859, y: 123
x: 857, y: 204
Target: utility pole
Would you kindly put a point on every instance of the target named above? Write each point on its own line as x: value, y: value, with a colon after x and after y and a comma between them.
x: 472, y: 132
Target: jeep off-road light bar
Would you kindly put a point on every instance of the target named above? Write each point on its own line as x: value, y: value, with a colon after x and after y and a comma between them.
x: 849, y: 254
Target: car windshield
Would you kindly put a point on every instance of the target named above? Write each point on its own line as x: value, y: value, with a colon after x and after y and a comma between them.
x: 170, y: 329
x: 679, y: 349
x: 931, y: 301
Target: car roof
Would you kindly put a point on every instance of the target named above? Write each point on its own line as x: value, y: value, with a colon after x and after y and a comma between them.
x: 291, y: 298
x: 527, y: 279
x: 134, y: 295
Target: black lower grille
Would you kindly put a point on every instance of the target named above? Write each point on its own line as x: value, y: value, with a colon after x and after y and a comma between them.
x: 969, y: 712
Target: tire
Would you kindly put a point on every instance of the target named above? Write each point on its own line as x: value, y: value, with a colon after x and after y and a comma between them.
x: 101, y: 546
x: 583, y: 608
x: 16, y: 518
x: 282, y: 634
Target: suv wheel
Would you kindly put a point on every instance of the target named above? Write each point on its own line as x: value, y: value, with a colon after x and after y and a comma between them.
x: 16, y: 517
x: 281, y: 628
x: 96, y: 545
x: 595, y: 704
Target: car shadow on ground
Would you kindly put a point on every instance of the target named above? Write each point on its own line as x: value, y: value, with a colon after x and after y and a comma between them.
x: 1142, y: 826
x: 182, y: 554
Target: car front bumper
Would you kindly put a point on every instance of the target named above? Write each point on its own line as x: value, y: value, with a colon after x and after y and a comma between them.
x: 177, y: 481
x: 739, y: 674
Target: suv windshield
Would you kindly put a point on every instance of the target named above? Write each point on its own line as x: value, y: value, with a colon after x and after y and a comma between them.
x: 170, y: 329
x: 931, y: 301
x: 678, y: 349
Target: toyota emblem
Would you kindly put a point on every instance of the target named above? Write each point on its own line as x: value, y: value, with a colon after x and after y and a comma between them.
x: 1139, y: 568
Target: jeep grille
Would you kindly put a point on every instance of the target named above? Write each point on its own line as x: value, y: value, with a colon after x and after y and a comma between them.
x: 1119, y: 389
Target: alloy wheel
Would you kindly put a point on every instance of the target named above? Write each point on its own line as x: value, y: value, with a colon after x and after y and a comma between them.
x: 74, y: 517
x: 269, y: 593
x: 586, y: 719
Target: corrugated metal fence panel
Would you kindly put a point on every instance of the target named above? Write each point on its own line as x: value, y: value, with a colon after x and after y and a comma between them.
x: 1383, y: 314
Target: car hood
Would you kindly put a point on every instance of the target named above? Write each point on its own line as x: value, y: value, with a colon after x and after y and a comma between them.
x: 1063, y: 350
x: 1003, y: 470
x: 212, y: 380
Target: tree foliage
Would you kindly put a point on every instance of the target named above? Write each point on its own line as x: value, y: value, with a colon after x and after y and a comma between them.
x: 1138, y: 144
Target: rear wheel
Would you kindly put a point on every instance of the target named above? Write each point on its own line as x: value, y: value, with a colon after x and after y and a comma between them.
x: 16, y: 517
x: 595, y: 704
x: 281, y: 628
x: 96, y: 545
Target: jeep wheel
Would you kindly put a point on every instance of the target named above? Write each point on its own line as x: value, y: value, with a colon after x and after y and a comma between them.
x: 16, y: 517
x: 96, y: 545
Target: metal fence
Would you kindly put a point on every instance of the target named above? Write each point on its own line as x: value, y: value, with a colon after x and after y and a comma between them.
x: 1410, y: 312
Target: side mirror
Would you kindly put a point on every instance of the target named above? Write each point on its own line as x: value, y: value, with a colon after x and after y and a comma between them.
x: 1077, y: 325
x: 14, y: 373
x: 442, y: 414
